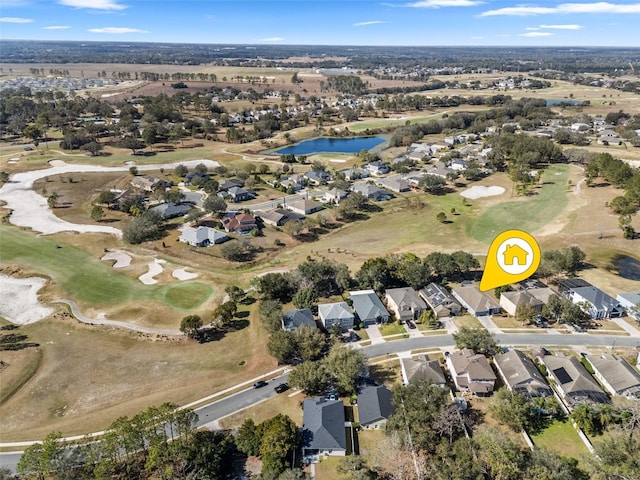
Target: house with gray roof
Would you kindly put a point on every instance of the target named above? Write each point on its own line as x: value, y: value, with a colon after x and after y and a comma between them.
x: 629, y: 301
x: 323, y: 429
x: 368, y: 307
x: 276, y: 217
x: 202, y: 236
x: 574, y: 384
x: 405, y: 303
x: 171, y: 210
x: 471, y: 372
x: 600, y: 305
x: 374, y: 406
x: 440, y: 300
x: 304, y: 206
x: 371, y: 191
x: 336, y: 313
x: 334, y: 196
x: 354, y: 173
x: 318, y: 177
x: 520, y: 374
x: 617, y: 376
x: 476, y: 302
x: 395, y: 184
x: 293, y: 319
x: 237, y: 194
x: 420, y: 368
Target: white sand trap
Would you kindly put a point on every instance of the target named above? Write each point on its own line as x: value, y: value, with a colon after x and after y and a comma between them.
x: 182, y: 274
x: 19, y: 300
x: 478, y: 191
x: 13, y: 160
x: 155, y: 268
x: 337, y: 160
x: 121, y: 258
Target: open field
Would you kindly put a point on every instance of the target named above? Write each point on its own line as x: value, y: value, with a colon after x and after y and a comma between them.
x: 21, y: 366
x: 561, y: 438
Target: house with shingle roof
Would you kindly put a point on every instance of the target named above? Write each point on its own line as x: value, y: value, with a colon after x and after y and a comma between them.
x: 240, y: 223
x: 336, y: 313
x: 617, y: 376
x: 374, y: 406
x: 304, y: 206
x: 371, y: 191
x: 420, y: 368
x: 440, y: 300
x: 405, y: 303
x: 368, y: 307
x: 476, y: 302
x: 171, y: 210
x: 510, y: 301
x: 628, y: 301
x: 471, y: 372
x: 574, y: 384
x: 323, y: 428
x: 202, y: 236
x: 293, y: 319
x: 520, y: 374
x: 600, y: 304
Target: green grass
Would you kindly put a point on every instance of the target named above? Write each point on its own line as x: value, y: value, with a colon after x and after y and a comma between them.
x: 562, y: 438
x: 390, y: 122
x: 86, y: 279
x: 526, y: 214
x: 392, y: 329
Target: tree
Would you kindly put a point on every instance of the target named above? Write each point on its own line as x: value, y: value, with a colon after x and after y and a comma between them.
x: 43, y: 459
x: 305, y: 298
x: 309, y: 376
x: 432, y: 184
x: 511, y: 409
x: 275, y: 286
x: 270, y: 312
x: 190, y: 325
x: 133, y: 170
x: 325, y: 276
x: 131, y: 143
x: 526, y: 313
x: 616, y: 458
x: 215, y: 204
x: 282, y: 346
x: 34, y: 133
x: 587, y: 418
x: 310, y: 342
x: 92, y: 147
x: 477, y: 339
x: 375, y: 273
x: 238, y: 251
x: 97, y: 213
x: 279, y: 440
x: 144, y: 228
x: 224, y: 313
x: 181, y: 170
x: 236, y: 294
x: 106, y: 197
x: 52, y: 200
x: 4, y: 177
x: 210, y: 454
x: 346, y: 366
x: 441, y: 217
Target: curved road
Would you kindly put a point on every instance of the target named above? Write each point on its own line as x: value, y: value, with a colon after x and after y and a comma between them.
x: 210, y: 413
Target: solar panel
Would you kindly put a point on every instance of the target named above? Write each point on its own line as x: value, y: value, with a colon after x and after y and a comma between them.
x: 562, y: 375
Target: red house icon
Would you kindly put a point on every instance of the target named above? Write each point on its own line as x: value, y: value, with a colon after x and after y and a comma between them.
x: 514, y: 254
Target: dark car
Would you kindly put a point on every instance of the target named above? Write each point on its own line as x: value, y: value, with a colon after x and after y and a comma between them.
x: 283, y: 387
x: 410, y: 324
x: 260, y: 384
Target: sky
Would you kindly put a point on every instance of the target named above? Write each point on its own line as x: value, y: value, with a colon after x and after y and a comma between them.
x: 327, y: 22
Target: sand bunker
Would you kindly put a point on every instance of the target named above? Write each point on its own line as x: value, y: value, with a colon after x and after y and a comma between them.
x: 19, y: 300
x: 155, y: 268
x: 182, y: 274
x: 478, y: 191
x: 121, y: 258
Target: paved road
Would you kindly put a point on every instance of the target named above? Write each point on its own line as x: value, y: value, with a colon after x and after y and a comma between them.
x: 212, y: 412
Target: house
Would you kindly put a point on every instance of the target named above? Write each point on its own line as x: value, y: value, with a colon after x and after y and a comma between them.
x: 471, y: 372
x: 351, y: 174
x: 573, y: 382
x: 237, y: 194
x: 629, y: 301
x: 600, y: 305
x: 293, y: 319
x: 323, y: 428
x: 421, y: 368
x: 318, y: 177
x: 202, y: 236
x: 371, y: 191
x: 377, y: 168
x: 476, y: 302
x: 515, y: 255
x: 458, y: 165
x: 334, y: 196
x: 276, y: 217
x: 230, y: 183
x: 304, y: 206
x: 196, y: 177
x: 405, y: 303
x: 616, y: 375
x: 293, y: 183
x: 368, y: 307
x: 240, y: 223
x: 520, y: 374
x: 336, y: 313
x: 171, y: 210
x: 510, y: 301
x: 440, y: 300
x: 396, y: 184
x: 374, y: 406
x: 149, y: 183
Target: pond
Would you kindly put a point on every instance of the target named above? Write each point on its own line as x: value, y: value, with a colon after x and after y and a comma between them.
x: 332, y: 145
x: 627, y: 267
x: 551, y: 103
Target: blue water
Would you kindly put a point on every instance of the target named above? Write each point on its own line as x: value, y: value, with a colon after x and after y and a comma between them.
x: 332, y: 145
x: 551, y: 103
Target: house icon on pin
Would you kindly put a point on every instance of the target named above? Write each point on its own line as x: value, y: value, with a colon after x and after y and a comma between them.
x: 515, y: 255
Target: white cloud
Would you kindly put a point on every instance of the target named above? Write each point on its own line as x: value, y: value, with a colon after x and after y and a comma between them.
x: 444, y: 3
x: 57, y: 27
x: 562, y: 27
x: 537, y: 34
x: 93, y: 4
x: 15, y: 20
x: 568, y: 8
x: 372, y: 22
x: 116, y: 30
x: 272, y: 39
x: 532, y: 28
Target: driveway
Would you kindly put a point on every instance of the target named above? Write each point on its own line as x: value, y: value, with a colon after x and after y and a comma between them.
x: 488, y: 323
x: 374, y: 334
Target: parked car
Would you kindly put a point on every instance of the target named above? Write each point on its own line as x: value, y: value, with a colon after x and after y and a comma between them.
x: 410, y: 324
x: 283, y: 387
x: 260, y: 384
